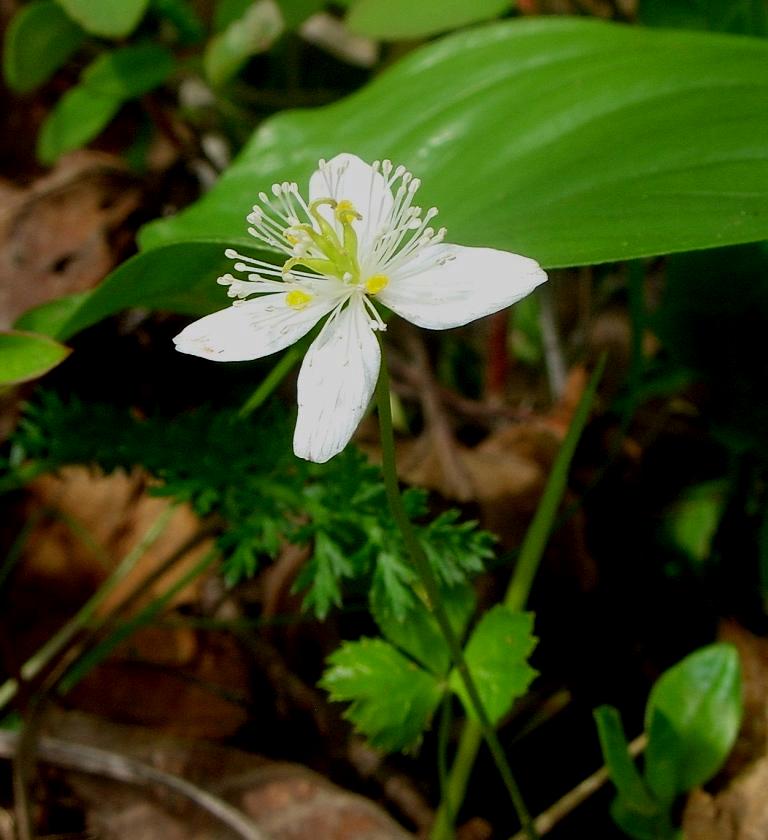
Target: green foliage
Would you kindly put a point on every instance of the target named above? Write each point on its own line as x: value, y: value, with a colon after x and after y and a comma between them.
x: 253, y: 32
x: 244, y: 472
x: 295, y: 12
x: 497, y: 657
x: 183, y: 281
x: 110, y: 80
x: 694, y: 710
x: 26, y: 355
x: 111, y: 20
x: 394, y: 19
x: 39, y: 39
x: 391, y: 699
x: 692, y: 719
x: 496, y: 654
x: 691, y: 523
x: 416, y: 631
x: 652, y: 129
x: 189, y: 28
x: 743, y: 17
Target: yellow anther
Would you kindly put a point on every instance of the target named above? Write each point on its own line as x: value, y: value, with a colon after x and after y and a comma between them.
x: 291, y: 237
x: 345, y: 211
x: 298, y: 299
x: 375, y: 283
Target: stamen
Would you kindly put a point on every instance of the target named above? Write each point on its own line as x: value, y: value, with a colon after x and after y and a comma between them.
x: 376, y: 283
x: 298, y: 299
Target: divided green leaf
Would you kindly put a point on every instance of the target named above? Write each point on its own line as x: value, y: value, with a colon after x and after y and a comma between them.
x: 392, y: 700
x: 417, y: 632
x: 497, y: 657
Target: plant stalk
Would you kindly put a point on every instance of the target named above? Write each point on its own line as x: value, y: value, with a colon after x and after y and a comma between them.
x: 516, y: 596
x: 431, y: 587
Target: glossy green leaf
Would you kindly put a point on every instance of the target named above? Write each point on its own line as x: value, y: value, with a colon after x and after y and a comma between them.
x: 253, y: 33
x: 25, y: 356
x: 50, y: 317
x: 745, y: 17
x: 569, y: 140
x: 692, y: 719
x: 417, y: 633
x: 110, y: 19
x: 497, y: 657
x: 391, y: 699
x: 39, y: 39
x: 395, y: 19
x: 178, y: 278
x: 79, y: 116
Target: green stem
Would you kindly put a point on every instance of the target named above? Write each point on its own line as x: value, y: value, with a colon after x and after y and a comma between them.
x: 32, y: 667
x: 273, y: 379
x: 431, y: 587
x: 519, y: 588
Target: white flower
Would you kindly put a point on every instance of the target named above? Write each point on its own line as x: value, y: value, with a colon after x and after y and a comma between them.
x: 359, y: 238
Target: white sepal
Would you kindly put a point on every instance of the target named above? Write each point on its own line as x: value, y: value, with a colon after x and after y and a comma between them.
x: 336, y: 382
x: 447, y: 286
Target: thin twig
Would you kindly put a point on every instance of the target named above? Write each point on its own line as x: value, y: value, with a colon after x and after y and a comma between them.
x: 547, y: 820
x: 111, y: 765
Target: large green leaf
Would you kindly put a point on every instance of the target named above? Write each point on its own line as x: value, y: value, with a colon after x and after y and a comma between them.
x: 101, y: 17
x: 393, y: 19
x: 38, y: 40
x: 178, y: 278
x: 572, y: 141
x: 746, y: 17
x: 25, y: 356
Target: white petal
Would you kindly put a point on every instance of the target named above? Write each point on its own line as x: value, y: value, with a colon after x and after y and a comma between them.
x: 348, y: 177
x: 335, y: 385
x: 449, y: 285
x: 251, y: 329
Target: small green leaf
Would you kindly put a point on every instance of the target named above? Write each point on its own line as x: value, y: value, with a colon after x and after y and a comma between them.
x: 85, y: 110
x: 79, y: 116
x: 692, y: 522
x: 643, y: 826
x: 39, y: 39
x: 692, y: 718
x: 184, y: 18
x: 111, y: 20
x: 392, y: 699
x: 391, y: 20
x: 416, y: 632
x: 128, y: 72
x: 633, y: 791
x: 25, y: 356
x: 497, y: 657
x: 253, y: 33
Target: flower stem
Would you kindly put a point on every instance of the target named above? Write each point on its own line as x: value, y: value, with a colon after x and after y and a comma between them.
x: 516, y: 596
x: 431, y: 587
